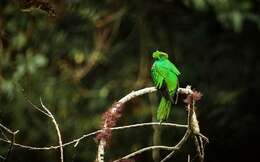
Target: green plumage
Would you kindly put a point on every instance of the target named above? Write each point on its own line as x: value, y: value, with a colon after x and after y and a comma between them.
x: 165, y: 78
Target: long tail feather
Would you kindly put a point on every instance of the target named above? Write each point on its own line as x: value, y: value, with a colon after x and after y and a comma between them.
x: 164, y: 109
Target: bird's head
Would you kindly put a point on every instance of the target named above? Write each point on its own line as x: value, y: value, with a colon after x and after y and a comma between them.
x: 160, y: 55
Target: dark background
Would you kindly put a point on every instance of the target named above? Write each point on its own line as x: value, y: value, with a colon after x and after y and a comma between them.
x: 81, y: 56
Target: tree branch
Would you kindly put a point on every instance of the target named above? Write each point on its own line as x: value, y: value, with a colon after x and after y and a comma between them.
x: 114, y: 114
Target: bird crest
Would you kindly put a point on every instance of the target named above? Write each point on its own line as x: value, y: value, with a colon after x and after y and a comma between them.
x: 158, y: 55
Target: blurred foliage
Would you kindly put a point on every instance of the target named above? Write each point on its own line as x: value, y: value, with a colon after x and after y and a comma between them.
x: 231, y: 13
x: 81, y: 56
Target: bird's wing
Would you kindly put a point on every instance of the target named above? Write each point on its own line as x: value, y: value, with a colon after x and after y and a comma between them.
x: 167, y: 64
x: 165, y: 71
x: 157, y: 76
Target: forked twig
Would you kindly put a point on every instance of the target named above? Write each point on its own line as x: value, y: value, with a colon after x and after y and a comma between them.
x: 13, y: 133
x: 11, y: 146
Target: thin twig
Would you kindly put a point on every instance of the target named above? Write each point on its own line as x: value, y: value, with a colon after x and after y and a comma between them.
x: 198, y: 149
x: 1, y: 157
x: 6, y: 129
x: 152, y: 123
x: 3, y: 134
x: 75, y: 141
x: 13, y: 133
x: 36, y: 107
x: 204, y: 137
x: 199, y: 143
x: 10, y: 147
x: 57, y: 129
x: 201, y: 146
x: 179, y: 145
x: 147, y: 149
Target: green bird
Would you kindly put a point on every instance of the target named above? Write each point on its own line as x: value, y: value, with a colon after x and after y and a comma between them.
x: 165, y: 78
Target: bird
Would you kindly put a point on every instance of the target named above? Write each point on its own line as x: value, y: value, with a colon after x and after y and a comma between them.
x: 165, y: 77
